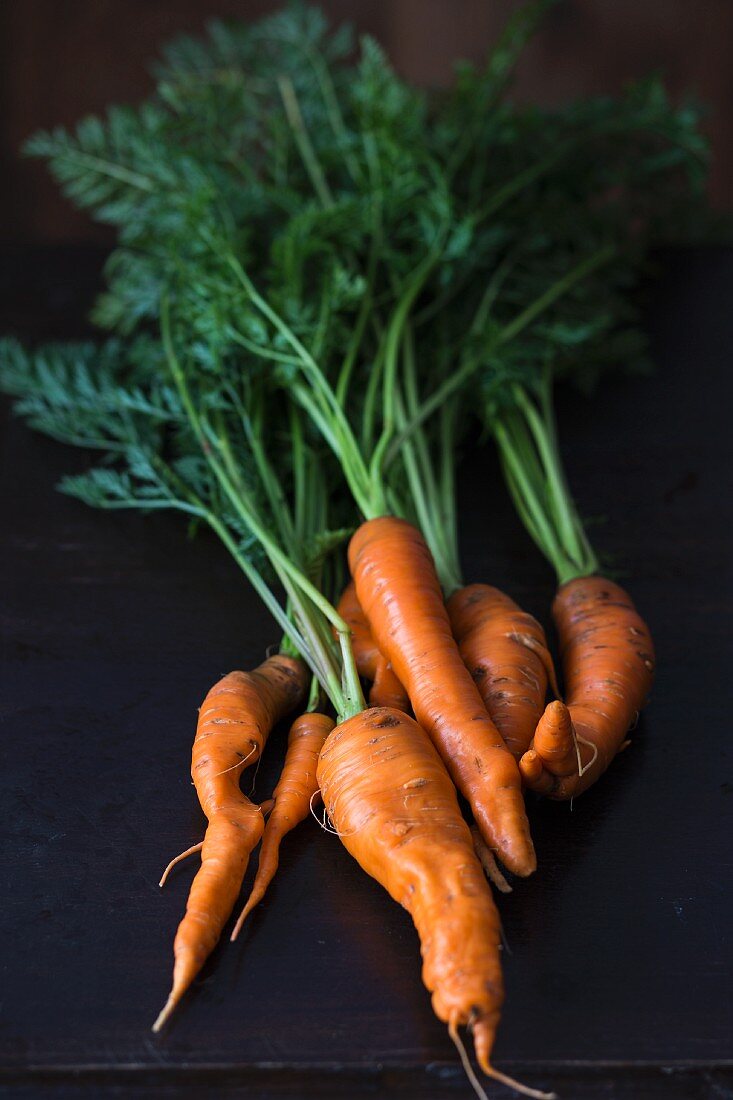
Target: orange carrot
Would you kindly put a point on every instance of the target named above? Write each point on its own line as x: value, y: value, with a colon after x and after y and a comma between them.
x: 293, y: 798
x: 386, y: 691
x: 234, y: 722
x: 505, y: 650
x: 488, y: 862
x: 398, y: 588
x: 393, y: 805
x: 608, y: 665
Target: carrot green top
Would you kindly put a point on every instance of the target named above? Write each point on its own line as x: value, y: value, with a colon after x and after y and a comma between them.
x: 322, y: 273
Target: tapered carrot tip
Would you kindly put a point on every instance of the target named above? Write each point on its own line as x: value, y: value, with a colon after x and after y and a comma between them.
x: 553, y: 738
x: 177, y: 859
x: 488, y: 862
x: 535, y: 774
x: 531, y: 768
x: 254, y: 898
x: 484, y: 1032
x: 483, y: 1040
x: 185, y: 970
x: 165, y: 1012
x: 180, y: 985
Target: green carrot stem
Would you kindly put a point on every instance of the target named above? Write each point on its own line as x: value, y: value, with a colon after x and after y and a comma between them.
x: 533, y: 468
x: 423, y: 482
x: 348, y: 695
x: 510, y: 331
x: 303, y: 141
x: 392, y: 348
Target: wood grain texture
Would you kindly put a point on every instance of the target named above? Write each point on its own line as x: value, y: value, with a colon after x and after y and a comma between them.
x: 62, y: 59
x: 619, y: 980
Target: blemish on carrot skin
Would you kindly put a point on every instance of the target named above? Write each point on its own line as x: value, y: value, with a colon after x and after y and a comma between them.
x: 387, y: 722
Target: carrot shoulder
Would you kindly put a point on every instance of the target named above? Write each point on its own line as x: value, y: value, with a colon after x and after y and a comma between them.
x: 505, y: 650
x: 608, y: 665
x: 386, y: 690
x: 234, y: 721
x: 293, y: 797
x: 397, y: 586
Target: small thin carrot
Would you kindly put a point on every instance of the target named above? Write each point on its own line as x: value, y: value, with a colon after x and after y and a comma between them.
x: 293, y: 797
x: 488, y: 862
x: 608, y: 666
x: 234, y: 721
x: 394, y: 807
x: 398, y: 588
x: 505, y: 650
x: 386, y: 689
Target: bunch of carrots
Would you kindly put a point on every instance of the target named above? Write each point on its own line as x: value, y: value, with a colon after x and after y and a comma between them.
x: 326, y: 284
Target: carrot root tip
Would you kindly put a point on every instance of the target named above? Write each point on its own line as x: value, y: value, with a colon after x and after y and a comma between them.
x: 165, y: 1012
x: 252, y: 901
x: 177, y: 859
x: 489, y: 863
x: 512, y: 1083
x: 466, y: 1061
x: 583, y: 768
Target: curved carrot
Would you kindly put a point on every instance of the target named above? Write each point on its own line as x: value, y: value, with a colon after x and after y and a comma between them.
x: 293, y: 797
x: 235, y: 718
x: 608, y: 665
x: 395, y: 809
x: 505, y: 650
x: 398, y: 588
x: 386, y: 690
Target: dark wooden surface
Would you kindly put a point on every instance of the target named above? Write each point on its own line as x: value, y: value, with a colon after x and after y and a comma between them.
x: 619, y: 981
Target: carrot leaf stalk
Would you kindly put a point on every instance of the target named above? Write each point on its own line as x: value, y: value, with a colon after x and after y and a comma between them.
x: 607, y: 651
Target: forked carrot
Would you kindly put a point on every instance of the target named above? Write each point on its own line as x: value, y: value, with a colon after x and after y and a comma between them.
x: 386, y: 689
x: 505, y: 650
x: 398, y: 588
x: 234, y: 721
x: 395, y: 809
x: 608, y: 666
x: 293, y: 797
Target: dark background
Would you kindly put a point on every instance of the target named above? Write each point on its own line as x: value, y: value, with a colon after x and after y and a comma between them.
x: 61, y: 59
